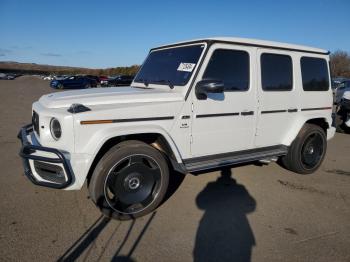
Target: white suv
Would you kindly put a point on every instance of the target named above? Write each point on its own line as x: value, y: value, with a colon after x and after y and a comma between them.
x: 192, y: 106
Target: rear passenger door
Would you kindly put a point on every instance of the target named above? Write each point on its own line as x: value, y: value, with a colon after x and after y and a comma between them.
x: 225, y: 122
x: 277, y: 95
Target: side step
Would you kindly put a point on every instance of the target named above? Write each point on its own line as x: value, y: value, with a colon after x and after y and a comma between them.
x: 214, y: 161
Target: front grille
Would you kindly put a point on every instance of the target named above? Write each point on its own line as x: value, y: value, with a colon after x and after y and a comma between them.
x: 35, y: 122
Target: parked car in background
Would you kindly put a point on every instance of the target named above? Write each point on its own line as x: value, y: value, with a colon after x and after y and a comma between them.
x: 3, y: 76
x: 96, y: 78
x: 103, y: 80
x: 339, y: 92
x: 121, y: 80
x: 48, y: 78
x: 60, y: 77
x: 74, y: 82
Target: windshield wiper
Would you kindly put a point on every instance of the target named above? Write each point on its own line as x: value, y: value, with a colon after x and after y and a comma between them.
x: 142, y: 81
x: 168, y: 82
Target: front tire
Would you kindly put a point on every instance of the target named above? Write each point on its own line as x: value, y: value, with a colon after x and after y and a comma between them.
x: 129, y: 181
x: 307, y: 151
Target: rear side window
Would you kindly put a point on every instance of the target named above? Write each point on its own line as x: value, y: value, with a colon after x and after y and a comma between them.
x: 231, y: 67
x: 276, y: 72
x: 314, y: 72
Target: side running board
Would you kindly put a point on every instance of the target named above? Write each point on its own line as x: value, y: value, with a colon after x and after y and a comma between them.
x: 215, y: 161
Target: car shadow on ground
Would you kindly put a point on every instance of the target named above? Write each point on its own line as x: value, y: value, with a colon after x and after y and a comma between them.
x: 85, y: 243
x: 224, y: 233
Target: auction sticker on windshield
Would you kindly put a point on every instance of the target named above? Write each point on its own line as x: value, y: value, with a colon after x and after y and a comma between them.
x: 186, y: 67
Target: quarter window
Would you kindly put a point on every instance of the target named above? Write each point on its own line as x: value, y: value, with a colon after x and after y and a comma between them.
x: 314, y: 72
x: 276, y: 72
x: 231, y: 67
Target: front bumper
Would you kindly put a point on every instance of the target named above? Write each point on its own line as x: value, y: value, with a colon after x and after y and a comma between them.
x: 40, y: 167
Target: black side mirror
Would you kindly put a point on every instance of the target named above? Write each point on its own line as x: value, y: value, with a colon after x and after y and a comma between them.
x: 205, y: 87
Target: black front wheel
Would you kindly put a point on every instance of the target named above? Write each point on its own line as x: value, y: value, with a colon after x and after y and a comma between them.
x: 129, y: 181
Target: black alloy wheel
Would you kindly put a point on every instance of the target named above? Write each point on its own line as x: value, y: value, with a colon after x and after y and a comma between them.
x: 312, y: 150
x: 306, y: 153
x: 130, y: 180
x: 132, y: 184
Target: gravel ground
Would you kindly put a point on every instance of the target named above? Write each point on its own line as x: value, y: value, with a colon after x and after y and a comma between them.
x: 260, y: 213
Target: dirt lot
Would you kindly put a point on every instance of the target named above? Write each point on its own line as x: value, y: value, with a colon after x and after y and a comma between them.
x: 263, y: 213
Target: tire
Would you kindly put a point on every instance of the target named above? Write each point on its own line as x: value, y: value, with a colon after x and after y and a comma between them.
x: 129, y: 174
x: 307, y: 151
x: 60, y: 86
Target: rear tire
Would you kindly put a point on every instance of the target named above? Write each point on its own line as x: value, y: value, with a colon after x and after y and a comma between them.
x: 129, y: 181
x: 307, y: 151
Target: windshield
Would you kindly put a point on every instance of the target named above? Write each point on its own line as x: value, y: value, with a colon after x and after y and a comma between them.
x: 174, y: 65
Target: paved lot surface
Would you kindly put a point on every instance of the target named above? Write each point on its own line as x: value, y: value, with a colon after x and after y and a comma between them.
x: 261, y: 213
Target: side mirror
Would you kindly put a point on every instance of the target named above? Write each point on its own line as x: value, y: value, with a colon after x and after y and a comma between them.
x: 205, y: 87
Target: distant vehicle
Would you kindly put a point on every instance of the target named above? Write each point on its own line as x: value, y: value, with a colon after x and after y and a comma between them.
x: 96, y: 78
x: 122, y: 80
x: 339, y: 80
x: 3, y: 76
x: 344, y: 112
x: 339, y: 92
x: 48, y: 78
x: 11, y: 77
x: 103, y: 80
x: 74, y: 82
x: 59, y: 77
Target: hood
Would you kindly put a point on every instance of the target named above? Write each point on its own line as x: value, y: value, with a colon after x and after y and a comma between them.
x: 108, y: 96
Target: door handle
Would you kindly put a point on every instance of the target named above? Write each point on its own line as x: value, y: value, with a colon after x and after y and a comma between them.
x: 247, y: 113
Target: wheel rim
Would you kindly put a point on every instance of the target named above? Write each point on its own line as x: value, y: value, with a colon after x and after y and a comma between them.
x: 132, y: 184
x: 312, y: 151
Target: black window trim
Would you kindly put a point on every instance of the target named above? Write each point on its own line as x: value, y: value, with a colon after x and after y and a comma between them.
x: 328, y: 74
x: 277, y: 90
x: 210, y: 42
x: 249, y: 67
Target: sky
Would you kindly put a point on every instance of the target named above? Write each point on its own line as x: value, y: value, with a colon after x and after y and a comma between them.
x: 101, y: 33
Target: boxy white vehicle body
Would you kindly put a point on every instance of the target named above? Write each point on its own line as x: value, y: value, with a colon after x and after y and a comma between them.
x: 192, y: 128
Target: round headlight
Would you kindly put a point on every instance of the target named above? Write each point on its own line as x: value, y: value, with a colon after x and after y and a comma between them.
x: 55, y: 128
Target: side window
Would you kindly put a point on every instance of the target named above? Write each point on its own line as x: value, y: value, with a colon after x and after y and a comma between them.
x: 276, y: 72
x: 231, y: 67
x: 314, y: 72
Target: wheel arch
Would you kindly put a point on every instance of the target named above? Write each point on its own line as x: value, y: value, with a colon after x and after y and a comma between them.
x: 156, y: 139
x: 320, y: 121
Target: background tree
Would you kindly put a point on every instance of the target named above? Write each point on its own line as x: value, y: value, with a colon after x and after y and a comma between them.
x: 340, y: 64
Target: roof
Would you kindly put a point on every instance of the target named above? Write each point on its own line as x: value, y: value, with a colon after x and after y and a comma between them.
x: 255, y: 42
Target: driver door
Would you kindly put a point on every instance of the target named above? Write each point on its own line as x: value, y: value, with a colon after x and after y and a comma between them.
x: 225, y: 122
